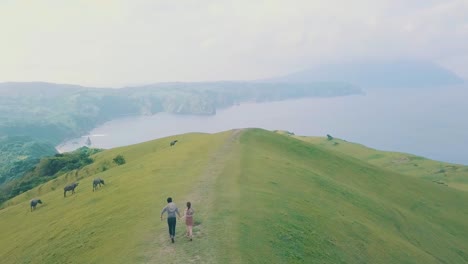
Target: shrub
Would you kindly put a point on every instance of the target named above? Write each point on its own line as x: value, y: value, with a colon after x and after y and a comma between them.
x: 119, y: 160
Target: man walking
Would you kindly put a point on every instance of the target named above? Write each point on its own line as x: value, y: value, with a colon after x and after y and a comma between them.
x: 171, y: 210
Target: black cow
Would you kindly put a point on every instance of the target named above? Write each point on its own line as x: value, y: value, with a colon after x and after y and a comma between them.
x: 34, y: 202
x: 173, y: 142
x: 70, y: 187
x: 97, y: 182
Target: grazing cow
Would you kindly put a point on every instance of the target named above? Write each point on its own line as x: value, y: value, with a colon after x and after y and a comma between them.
x: 70, y: 187
x: 34, y: 202
x: 173, y: 142
x: 97, y: 182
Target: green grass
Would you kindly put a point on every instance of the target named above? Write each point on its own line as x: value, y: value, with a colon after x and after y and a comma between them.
x: 259, y: 197
x: 451, y: 175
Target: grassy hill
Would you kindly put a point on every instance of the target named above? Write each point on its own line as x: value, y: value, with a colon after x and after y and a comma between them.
x: 260, y: 197
x: 448, y: 174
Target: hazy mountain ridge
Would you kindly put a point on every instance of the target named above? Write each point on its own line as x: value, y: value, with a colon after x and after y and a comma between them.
x: 56, y: 112
x: 44, y: 89
x: 79, y: 108
x: 378, y: 74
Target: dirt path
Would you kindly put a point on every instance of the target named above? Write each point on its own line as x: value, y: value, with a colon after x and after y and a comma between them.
x: 214, y: 168
x: 201, y: 193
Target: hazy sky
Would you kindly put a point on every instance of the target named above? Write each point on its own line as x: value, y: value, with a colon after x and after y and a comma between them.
x: 117, y: 43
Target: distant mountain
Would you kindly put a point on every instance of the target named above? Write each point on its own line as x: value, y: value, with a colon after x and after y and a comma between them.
x: 54, y: 112
x: 45, y: 114
x: 393, y: 74
x: 29, y: 89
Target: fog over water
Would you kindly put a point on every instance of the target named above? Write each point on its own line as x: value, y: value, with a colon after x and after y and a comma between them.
x: 426, y: 122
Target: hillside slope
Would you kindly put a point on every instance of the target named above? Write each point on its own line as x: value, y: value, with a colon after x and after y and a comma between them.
x: 448, y: 174
x: 259, y: 197
x: 20, y: 154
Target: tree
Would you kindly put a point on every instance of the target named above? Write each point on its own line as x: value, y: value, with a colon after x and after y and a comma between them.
x: 329, y: 137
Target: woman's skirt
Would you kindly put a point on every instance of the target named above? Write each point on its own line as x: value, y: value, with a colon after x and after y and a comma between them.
x: 189, y: 221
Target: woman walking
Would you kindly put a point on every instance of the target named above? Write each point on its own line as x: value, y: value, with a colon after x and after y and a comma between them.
x: 188, y: 214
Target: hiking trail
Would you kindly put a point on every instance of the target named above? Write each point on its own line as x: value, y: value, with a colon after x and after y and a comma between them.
x: 162, y: 249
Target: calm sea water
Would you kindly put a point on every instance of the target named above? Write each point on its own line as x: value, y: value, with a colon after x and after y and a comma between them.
x: 431, y: 123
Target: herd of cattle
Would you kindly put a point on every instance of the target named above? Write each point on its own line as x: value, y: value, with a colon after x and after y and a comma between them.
x: 70, y: 187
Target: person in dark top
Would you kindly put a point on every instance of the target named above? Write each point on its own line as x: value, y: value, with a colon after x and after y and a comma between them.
x: 172, y: 210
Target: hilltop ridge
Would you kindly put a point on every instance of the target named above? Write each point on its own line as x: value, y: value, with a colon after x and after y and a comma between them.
x: 259, y: 197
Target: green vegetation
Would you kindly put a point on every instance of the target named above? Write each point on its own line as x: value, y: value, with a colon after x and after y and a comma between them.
x: 19, y: 154
x: 52, y: 113
x: 119, y: 160
x: 45, y: 170
x: 443, y: 173
x: 55, y: 112
x: 259, y: 197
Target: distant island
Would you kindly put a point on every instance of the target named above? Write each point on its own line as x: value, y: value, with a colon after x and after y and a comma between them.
x: 394, y: 74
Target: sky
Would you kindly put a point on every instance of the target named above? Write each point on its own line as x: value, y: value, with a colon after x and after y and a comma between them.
x: 116, y: 43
